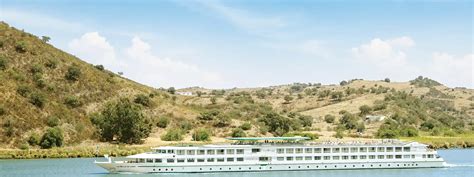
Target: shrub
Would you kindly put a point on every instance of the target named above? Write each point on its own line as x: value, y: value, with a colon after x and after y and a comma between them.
x: 21, y: 47
x: 201, y: 134
x: 174, y: 134
x: 329, y: 118
x: 23, y: 90
x: 364, y: 110
x: 238, y: 132
x: 37, y: 99
x: 52, y: 121
x: 163, y: 122
x: 24, y: 146
x: 72, y: 102
x: 222, y: 120
x: 360, y: 127
x: 171, y: 90
x: 339, y: 134
x: 34, y: 139
x: 408, y: 131
x: 142, y: 99
x: 311, y: 136
x: 99, y: 67
x: 185, y: 125
x: 73, y: 73
x: 3, y: 111
x: 51, y: 63
x: 213, y: 100
x: 36, y: 68
x: 349, y: 121
x: 52, y: 138
x: 246, y: 126
x: 287, y: 99
x: 3, y: 63
x: 208, y: 115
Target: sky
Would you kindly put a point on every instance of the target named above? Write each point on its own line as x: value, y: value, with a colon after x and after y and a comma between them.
x: 247, y: 43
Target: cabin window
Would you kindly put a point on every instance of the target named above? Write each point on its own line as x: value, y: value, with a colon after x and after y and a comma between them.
x: 255, y: 150
x: 406, y: 156
x: 380, y: 156
x: 335, y: 157
x: 158, y: 161
x: 398, y: 156
x: 170, y: 151
x: 240, y: 151
x: 289, y: 150
x: 289, y: 158
x: 317, y: 150
x: 412, y: 156
x: 210, y: 159
x: 398, y: 149
x: 170, y: 160
x: 327, y: 158
x: 180, y: 160
x: 381, y: 149
x: 363, y: 149
x: 240, y: 159
x: 220, y: 159
x: 389, y: 149
x: 335, y: 150
x: 263, y: 159
x: 162, y: 151
x: 200, y: 160
x: 406, y: 149
x: 230, y: 151
x: 141, y: 160
x: 308, y: 158
x: 354, y: 149
x: 430, y: 156
x: 211, y: 152
x: 220, y: 151
x: 190, y: 160
x: 299, y: 158
x: 149, y: 160
x: 345, y: 157
x: 424, y: 156
x: 371, y: 149
x: 190, y: 152
x: 299, y: 150
x: 280, y: 151
x: 308, y: 150
x: 363, y: 157
x: 345, y: 150
x: 354, y: 157
x: 317, y: 157
x: 180, y: 152
x: 201, y: 152
x: 371, y: 156
x: 389, y: 156
x: 327, y: 150
x: 230, y: 159
x: 280, y: 158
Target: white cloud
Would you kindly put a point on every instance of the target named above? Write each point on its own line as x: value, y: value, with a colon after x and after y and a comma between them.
x: 384, y: 53
x: 94, y: 48
x: 31, y: 19
x: 455, y: 71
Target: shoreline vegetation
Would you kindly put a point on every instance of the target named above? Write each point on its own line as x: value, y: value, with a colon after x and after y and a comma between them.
x: 120, y: 150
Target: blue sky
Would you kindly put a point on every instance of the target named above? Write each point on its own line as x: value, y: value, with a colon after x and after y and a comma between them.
x: 225, y: 44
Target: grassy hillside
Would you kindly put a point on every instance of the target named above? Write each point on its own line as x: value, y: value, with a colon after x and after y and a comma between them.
x: 43, y: 87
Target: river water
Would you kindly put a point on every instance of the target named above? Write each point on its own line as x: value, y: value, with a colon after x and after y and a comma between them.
x: 460, y: 163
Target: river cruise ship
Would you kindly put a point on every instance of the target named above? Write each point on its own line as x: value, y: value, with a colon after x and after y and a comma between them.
x: 277, y: 154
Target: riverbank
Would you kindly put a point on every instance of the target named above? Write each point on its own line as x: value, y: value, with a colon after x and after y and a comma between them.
x: 89, y: 150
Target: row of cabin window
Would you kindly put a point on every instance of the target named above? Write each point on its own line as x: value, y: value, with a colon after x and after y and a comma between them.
x: 189, y: 160
x: 202, y: 151
x: 353, y: 157
x: 343, y: 150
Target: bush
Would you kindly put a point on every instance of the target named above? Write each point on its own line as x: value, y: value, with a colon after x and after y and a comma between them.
x: 52, y: 138
x: 37, y: 99
x: 329, y: 118
x: 143, y: 100
x: 72, y: 102
x: 171, y: 90
x: 34, y: 139
x: 364, y: 110
x: 73, y: 73
x: 311, y: 136
x: 52, y: 121
x: 339, y: 134
x: 201, y: 134
x: 246, y: 126
x: 277, y: 124
x: 185, y: 125
x: 3, y: 111
x: 51, y: 63
x: 3, y: 63
x: 163, y: 122
x: 306, y: 120
x: 349, y: 121
x: 23, y: 90
x: 287, y: 99
x: 208, y: 115
x: 99, y: 67
x: 222, y: 120
x: 174, y: 134
x: 36, y: 68
x: 123, y: 120
x: 21, y: 47
x: 238, y: 132
x: 213, y: 100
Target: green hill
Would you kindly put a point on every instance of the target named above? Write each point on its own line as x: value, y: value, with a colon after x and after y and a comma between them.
x: 43, y: 87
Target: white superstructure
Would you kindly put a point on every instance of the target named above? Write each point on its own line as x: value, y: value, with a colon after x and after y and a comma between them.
x: 276, y: 154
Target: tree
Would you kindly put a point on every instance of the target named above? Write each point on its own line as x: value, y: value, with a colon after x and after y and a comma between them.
x: 73, y: 73
x: 238, y: 132
x: 3, y: 63
x: 52, y: 121
x: 349, y: 121
x: 213, y: 100
x: 37, y: 99
x: 329, y: 118
x: 288, y: 98
x: 199, y: 93
x: 337, y: 95
x: 21, y: 47
x: 99, y: 67
x: 52, y: 138
x: 174, y: 134
x: 222, y: 120
x: 277, y: 124
x: 143, y: 100
x: 387, y: 80
x: 339, y: 134
x: 201, y: 134
x: 163, y: 122
x: 360, y: 127
x: 342, y: 83
x: 171, y: 90
x: 246, y: 126
x: 34, y: 139
x: 306, y: 120
x: 45, y: 39
x: 72, y: 102
x: 208, y: 115
x: 122, y: 120
x: 364, y: 110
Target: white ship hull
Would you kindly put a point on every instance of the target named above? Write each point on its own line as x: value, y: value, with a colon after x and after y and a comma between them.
x: 149, y: 168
